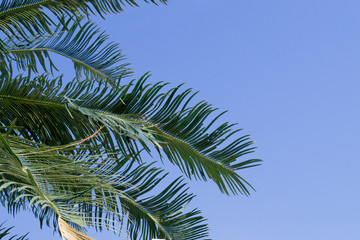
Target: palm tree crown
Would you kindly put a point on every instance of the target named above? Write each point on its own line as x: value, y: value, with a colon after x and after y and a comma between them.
x: 74, y: 153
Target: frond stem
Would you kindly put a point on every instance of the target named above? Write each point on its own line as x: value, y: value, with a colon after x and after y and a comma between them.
x: 60, y: 53
x: 64, y: 146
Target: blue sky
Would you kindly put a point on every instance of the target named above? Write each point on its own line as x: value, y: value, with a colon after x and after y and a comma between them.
x: 288, y: 72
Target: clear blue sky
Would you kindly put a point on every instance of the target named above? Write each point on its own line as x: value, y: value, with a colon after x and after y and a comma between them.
x: 289, y: 73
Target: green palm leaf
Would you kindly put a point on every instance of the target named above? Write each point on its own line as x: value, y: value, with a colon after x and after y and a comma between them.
x: 27, y: 17
x: 141, y: 112
x: 85, y: 45
x: 76, y: 191
x: 5, y: 234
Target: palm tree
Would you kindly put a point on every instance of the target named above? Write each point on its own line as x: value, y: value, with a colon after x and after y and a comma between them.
x: 74, y: 153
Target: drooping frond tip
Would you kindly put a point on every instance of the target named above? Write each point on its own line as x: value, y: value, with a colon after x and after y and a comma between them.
x: 5, y: 234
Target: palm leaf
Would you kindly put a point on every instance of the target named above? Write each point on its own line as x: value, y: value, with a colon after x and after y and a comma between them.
x: 76, y: 191
x: 23, y: 18
x: 148, y: 115
x: 84, y: 44
x: 6, y: 235
x: 27, y: 17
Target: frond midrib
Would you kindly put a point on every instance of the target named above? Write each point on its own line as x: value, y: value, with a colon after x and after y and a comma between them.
x: 31, y: 101
x: 60, y: 53
x: 16, y: 9
x: 196, y: 151
x: 52, y: 104
x: 144, y: 210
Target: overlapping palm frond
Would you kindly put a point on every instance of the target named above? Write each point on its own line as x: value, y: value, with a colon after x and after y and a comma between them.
x: 32, y: 28
x: 24, y: 18
x: 5, y: 234
x: 165, y: 119
x: 84, y: 44
x: 77, y: 191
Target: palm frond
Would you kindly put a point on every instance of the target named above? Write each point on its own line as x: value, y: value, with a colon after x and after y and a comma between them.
x: 161, y: 118
x: 84, y: 44
x: 24, y: 18
x: 5, y: 234
x: 28, y: 17
x: 76, y: 191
